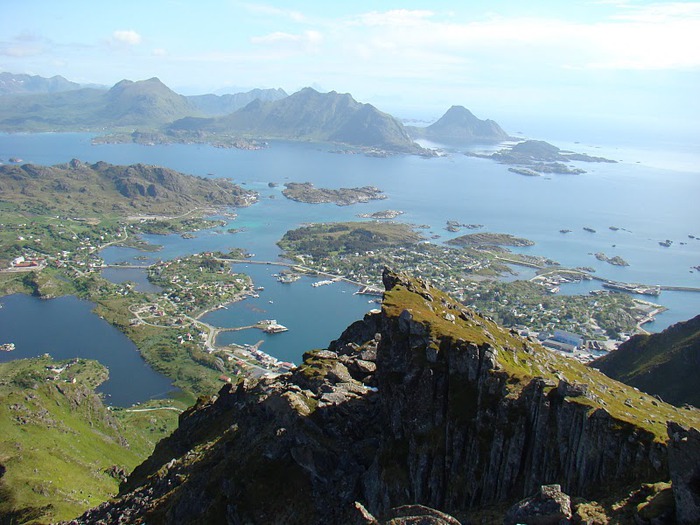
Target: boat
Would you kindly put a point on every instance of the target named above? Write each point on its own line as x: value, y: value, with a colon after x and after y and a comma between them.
x: 7, y: 347
x: 275, y: 329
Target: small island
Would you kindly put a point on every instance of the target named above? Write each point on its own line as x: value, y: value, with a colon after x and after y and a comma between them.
x: 615, y: 261
x: 536, y: 157
x: 153, y: 138
x: 492, y: 239
x: 384, y: 214
x: 307, y: 193
x: 455, y: 226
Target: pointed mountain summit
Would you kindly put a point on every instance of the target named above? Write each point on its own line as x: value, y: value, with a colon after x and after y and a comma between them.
x: 459, y: 124
x: 308, y: 115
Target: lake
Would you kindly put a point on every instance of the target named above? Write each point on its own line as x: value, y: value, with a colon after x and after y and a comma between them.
x: 65, y: 327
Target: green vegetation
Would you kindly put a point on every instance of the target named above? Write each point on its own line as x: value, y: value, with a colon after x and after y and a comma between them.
x: 323, y: 240
x: 661, y: 364
x: 467, y: 274
x: 449, y: 324
x: 151, y: 138
x: 147, y: 104
x: 77, y: 190
x: 311, y: 116
x: 61, y: 450
x: 163, y: 116
x: 198, y: 283
x: 42, y: 236
x: 305, y: 192
x: 487, y: 239
x: 178, y: 225
x: 528, y: 304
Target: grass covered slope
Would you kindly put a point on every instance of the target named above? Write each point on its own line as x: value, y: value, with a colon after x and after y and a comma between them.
x: 79, y: 188
x: 523, y: 361
x: 61, y: 449
x: 320, y: 240
x: 665, y: 364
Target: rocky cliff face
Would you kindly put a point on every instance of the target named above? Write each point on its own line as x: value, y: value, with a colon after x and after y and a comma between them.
x: 424, y: 403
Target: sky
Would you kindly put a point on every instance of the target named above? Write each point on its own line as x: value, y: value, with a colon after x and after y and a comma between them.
x: 618, y: 59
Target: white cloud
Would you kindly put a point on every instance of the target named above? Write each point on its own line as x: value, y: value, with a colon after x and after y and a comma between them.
x: 657, y: 36
x: 159, y: 52
x: 128, y: 37
x: 307, y: 39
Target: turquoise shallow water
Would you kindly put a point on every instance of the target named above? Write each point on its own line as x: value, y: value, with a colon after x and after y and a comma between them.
x: 647, y: 201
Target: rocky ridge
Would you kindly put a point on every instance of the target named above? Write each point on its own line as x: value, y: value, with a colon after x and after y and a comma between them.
x: 425, y: 403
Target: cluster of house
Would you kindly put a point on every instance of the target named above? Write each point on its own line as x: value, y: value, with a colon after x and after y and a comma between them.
x: 26, y: 262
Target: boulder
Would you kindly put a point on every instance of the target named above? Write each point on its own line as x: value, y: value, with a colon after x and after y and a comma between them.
x: 550, y: 506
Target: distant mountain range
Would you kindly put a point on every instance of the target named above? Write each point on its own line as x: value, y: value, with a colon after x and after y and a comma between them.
x: 459, y: 125
x: 213, y: 105
x: 11, y: 84
x: 311, y: 116
x: 149, y: 105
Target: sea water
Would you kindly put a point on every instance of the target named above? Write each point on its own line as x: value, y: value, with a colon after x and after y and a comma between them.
x: 644, y: 201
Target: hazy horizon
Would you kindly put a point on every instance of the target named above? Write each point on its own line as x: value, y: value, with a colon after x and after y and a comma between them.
x: 615, y: 59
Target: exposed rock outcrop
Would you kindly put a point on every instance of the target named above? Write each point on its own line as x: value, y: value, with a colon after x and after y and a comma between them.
x: 684, y: 460
x: 550, y: 506
x: 426, y: 403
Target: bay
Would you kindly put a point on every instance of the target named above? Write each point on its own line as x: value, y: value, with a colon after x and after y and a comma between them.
x: 644, y: 202
x: 65, y: 328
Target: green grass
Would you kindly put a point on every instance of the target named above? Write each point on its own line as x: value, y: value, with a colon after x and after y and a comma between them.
x: 57, y: 440
x: 323, y: 240
x: 630, y: 406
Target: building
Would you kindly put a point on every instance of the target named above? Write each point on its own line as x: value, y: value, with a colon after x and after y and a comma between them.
x: 568, y: 338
